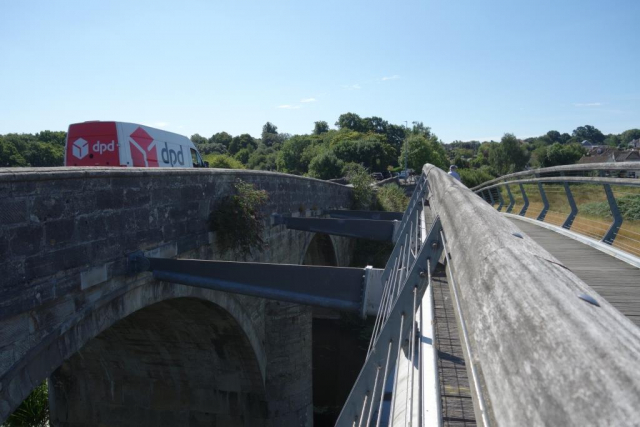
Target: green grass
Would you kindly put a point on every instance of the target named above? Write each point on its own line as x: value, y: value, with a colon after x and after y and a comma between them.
x: 33, y: 411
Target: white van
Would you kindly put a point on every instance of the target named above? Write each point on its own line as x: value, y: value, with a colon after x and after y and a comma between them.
x: 99, y: 143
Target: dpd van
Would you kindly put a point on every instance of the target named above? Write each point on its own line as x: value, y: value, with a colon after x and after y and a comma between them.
x: 128, y: 144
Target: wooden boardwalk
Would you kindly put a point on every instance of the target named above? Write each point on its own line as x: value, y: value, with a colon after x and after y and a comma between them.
x: 615, y: 280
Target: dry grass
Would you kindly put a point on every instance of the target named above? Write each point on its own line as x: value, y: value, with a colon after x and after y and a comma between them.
x: 628, y: 238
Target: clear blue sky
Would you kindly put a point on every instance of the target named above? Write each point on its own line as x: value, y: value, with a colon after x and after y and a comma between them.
x: 470, y: 69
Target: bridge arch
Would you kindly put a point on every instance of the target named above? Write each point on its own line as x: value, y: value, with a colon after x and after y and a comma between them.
x: 320, y: 251
x: 90, y: 332
x: 180, y: 361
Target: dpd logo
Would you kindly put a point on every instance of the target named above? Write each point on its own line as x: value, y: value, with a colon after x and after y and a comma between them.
x: 172, y: 157
x: 80, y: 148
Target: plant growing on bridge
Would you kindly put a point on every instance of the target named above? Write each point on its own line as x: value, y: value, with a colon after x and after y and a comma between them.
x: 238, y: 220
x: 33, y: 411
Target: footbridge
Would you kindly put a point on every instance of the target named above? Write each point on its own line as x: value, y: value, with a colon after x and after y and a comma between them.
x: 482, y: 316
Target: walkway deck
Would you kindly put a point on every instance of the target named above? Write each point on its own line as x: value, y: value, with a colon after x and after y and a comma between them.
x: 457, y: 406
x: 617, y: 281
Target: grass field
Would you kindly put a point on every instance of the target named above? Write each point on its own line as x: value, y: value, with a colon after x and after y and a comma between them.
x: 594, y: 217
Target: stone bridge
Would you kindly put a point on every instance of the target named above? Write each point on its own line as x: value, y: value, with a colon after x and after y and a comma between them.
x: 129, y: 350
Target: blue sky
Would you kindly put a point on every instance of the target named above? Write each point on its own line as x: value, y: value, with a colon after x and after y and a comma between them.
x: 469, y: 69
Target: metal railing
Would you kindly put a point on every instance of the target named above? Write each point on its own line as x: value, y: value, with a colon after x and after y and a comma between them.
x: 536, y: 352
x: 561, y: 179
x: 406, y: 278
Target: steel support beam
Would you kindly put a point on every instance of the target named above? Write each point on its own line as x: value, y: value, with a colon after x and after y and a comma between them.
x: 330, y: 287
x: 523, y: 211
x: 612, y: 232
x: 545, y: 209
x: 375, y: 215
x: 358, y: 228
x: 574, y: 208
x: 512, y: 201
x: 492, y: 201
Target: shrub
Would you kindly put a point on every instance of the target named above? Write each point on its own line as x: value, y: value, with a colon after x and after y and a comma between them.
x: 629, y: 207
x: 392, y: 198
x: 238, y: 220
x: 363, y: 191
x: 326, y: 166
x: 33, y: 411
x: 222, y: 161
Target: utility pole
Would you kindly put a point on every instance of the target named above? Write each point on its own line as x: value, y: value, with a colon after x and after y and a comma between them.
x: 406, y: 150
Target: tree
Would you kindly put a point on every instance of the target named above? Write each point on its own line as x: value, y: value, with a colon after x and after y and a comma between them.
x: 351, y: 121
x: 320, y: 127
x: 508, y: 156
x: 375, y: 125
x: 243, y: 155
x: 612, y: 140
x: 370, y: 151
x: 42, y: 154
x: 263, y: 158
x: 221, y: 138
x: 290, y: 157
x: 629, y: 135
x: 270, y: 134
x: 326, y: 166
x: 197, y: 139
x: 423, y: 150
x: 243, y: 141
x: 53, y: 137
x: 558, y: 154
x: 554, y: 136
x: 589, y: 133
x: 9, y: 155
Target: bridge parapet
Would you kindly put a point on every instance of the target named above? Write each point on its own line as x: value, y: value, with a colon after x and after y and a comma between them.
x: 64, y: 237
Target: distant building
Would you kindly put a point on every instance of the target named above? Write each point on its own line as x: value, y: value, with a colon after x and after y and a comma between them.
x: 634, y: 143
x: 589, y: 145
x: 610, y: 155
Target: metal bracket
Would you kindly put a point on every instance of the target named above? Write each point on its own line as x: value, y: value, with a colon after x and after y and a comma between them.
x: 512, y: 201
x: 574, y: 209
x: 359, y: 228
x: 523, y: 211
x: 543, y: 195
x: 612, y: 232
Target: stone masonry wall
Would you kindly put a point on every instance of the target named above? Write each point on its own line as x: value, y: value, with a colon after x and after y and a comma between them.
x: 64, y: 235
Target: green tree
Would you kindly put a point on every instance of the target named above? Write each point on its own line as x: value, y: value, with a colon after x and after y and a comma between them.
x: 243, y: 141
x: 243, y: 155
x: 371, y: 151
x: 351, y: 121
x: 9, y: 155
x: 197, y: 139
x: 290, y: 157
x: 421, y: 150
x: 270, y: 134
x: 326, y: 166
x: 508, y: 156
x: 589, y: 133
x: 320, y: 127
x: 558, y: 154
x: 629, y: 135
x: 42, y: 154
x: 263, y: 158
x: 612, y: 140
x: 221, y: 138
x: 53, y: 137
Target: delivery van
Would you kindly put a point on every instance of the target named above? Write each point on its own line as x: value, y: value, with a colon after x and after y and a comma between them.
x: 99, y: 143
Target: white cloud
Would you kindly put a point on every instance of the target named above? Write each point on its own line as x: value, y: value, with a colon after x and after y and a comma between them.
x: 289, y: 107
x: 160, y: 124
x: 352, y: 87
x: 394, y: 77
x: 308, y: 100
x: 588, y: 104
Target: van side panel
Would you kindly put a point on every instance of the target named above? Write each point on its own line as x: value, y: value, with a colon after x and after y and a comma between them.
x: 92, y: 144
x: 151, y: 147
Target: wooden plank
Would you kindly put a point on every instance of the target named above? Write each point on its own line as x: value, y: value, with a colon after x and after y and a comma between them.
x: 546, y: 357
x: 615, y: 280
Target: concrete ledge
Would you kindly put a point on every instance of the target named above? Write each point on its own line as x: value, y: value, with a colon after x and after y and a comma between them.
x: 596, y: 244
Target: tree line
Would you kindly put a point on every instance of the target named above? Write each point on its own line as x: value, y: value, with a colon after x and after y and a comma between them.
x: 371, y: 142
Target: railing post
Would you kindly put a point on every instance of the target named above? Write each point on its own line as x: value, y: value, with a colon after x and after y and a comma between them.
x: 574, y: 209
x: 543, y: 195
x: 512, y: 201
x: 491, y: 197
x: 523, y: 211
x: 500, y: 199
x: 617, y: 218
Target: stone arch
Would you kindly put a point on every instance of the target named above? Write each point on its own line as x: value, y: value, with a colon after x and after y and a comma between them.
x: 63, y: 343
x: 320, y: 251
x: 181, y: 361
